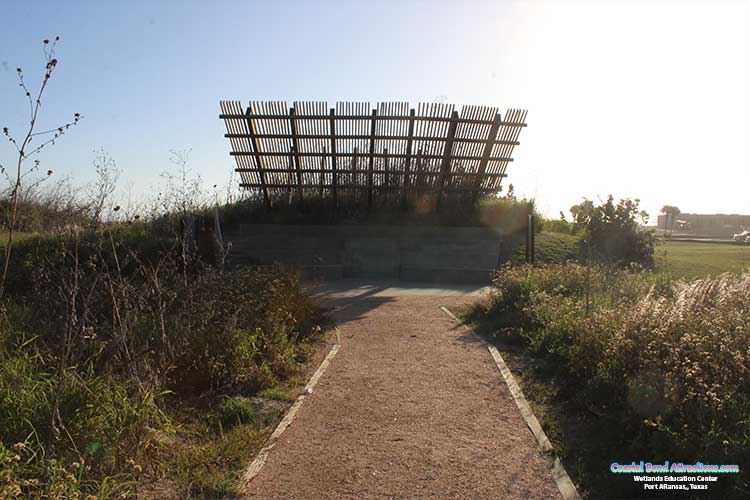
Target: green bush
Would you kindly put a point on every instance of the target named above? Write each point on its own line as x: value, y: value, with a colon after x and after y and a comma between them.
x: 235, y: 411
x: 612, y: 233
x: 507, y: 212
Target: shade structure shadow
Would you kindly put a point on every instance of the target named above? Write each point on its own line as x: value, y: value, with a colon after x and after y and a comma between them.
x: 350, y: 299
x: 464, y: 335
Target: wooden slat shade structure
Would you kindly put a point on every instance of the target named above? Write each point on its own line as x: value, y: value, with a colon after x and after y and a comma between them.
x: 355, y: 151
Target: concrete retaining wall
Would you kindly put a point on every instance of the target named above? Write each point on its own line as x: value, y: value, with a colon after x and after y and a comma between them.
x: 411, y: 253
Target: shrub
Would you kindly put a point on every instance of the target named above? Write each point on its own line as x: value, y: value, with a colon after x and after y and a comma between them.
x: 612, y: 233
x: 235, y: 411
x: 97, y: 329
x: 665, y: 361
x: 507, y: 212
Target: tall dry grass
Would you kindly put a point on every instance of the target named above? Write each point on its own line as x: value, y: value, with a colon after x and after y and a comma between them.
x: 110, y: 345
x: 665, y: 364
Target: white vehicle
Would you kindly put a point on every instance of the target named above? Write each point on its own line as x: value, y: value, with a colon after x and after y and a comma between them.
x: 743, y: 236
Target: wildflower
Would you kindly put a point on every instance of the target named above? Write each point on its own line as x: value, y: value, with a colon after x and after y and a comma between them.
x: 19, y: 446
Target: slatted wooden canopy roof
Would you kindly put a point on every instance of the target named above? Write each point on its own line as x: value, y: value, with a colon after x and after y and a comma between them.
x: 356, y: 151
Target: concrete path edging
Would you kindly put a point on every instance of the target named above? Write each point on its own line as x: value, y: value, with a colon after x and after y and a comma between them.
x: 254, y: 468
x: 559, y: 474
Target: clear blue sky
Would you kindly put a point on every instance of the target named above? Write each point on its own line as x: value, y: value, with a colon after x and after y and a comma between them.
x: 640, y: 99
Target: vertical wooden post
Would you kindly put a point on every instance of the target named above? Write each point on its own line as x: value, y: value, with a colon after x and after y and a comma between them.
x: 334, y: 178
x: 446, y: 163
x: 354, y: 180
x: 258, y: 163
x: 372, y: 158
x: 386, y: 179
x: 322, y: 171
x: 407, y: 161
x: 419, y: 181
x: 295, y: 152
x: 494, y: 128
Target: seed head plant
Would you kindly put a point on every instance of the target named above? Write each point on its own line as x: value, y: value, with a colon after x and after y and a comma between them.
x: 29, y: 143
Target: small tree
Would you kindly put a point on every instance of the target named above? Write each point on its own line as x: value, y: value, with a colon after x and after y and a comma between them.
x: 107, y: 175
x: 613, y: 234
x: 26, y: 149
x: 670, y: 214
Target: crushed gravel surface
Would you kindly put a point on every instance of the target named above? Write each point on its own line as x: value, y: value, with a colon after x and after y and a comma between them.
x: 412, y: 407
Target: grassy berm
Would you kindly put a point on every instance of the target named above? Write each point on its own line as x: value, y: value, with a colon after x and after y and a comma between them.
x: 130, y: 370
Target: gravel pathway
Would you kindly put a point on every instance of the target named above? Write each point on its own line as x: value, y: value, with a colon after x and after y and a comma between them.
x: 411, y: 408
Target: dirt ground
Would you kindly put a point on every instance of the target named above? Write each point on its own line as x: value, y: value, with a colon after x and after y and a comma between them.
x: 412, y: 407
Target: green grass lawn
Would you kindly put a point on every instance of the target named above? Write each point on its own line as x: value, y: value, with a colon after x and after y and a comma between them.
x: 18, y: 236
x: 555, y: 247
x: 550, y: 248
x: 695, y: 260
x: 684, y: 260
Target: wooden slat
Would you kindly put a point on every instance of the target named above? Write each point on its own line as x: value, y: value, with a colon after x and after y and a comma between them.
x: 391, y: 172
x: 364, y: 187
x: 349, y: 155
x: 446, y: 162
x: 359, y: 137
x: 295, y: 152
x: 254, y: 141
x: 366, y: 117
x: 372, y: 157
x: 333, y: 156
x: 488, y: 149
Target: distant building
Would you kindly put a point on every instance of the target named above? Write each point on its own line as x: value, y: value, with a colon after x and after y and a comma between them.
x: 709, y: 225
